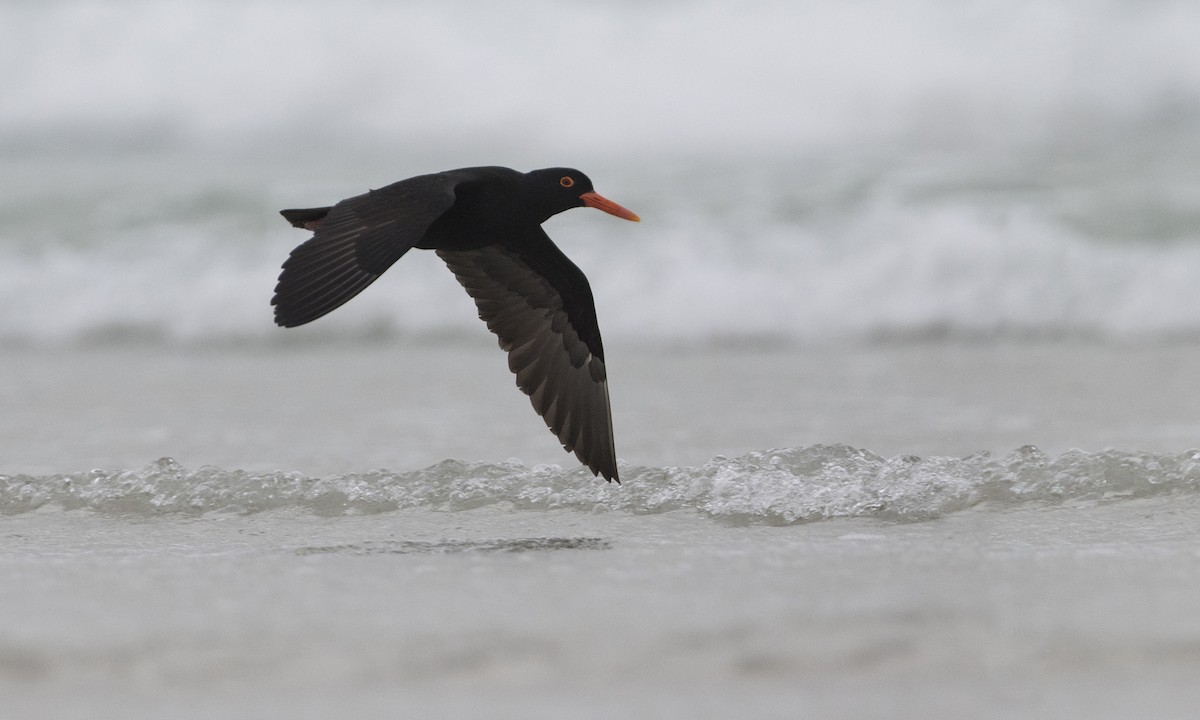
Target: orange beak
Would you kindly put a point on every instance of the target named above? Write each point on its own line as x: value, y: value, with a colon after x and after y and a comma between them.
x: 598, y: 201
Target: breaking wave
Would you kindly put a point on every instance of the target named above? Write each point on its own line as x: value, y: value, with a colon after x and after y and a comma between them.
x: 774, y: 487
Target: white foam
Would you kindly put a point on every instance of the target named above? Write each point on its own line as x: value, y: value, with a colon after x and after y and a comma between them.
x: 883, y: 268
x: 775, y: 487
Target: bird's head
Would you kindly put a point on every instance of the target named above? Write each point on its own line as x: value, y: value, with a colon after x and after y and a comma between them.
x: 558, y: 189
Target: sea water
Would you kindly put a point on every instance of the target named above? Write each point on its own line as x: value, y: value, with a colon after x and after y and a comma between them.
x: 902, y: 362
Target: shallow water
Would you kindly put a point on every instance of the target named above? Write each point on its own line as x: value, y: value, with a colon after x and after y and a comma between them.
x: 1080, y: 610
x: 322, y: 566
x: 337, y: 408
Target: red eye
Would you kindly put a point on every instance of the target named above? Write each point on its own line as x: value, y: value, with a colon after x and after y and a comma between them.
x: 567, y: 181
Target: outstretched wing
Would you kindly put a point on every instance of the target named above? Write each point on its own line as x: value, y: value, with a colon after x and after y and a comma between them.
x: 355, y: 243
x: 540, y: 307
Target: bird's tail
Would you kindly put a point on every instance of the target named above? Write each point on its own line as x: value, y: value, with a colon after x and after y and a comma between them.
x: 306, y: 219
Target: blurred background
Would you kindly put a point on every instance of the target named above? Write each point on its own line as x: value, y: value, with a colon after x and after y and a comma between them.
x: 807, y: 172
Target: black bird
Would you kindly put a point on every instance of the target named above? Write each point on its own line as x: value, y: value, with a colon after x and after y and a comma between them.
x: 485, y: 223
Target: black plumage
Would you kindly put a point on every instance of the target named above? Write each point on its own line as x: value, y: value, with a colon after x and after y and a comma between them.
x: 485, y: 223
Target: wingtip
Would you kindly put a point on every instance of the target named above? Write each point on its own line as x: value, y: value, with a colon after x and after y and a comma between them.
x: 291, y: 321
x: 609, y: 475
